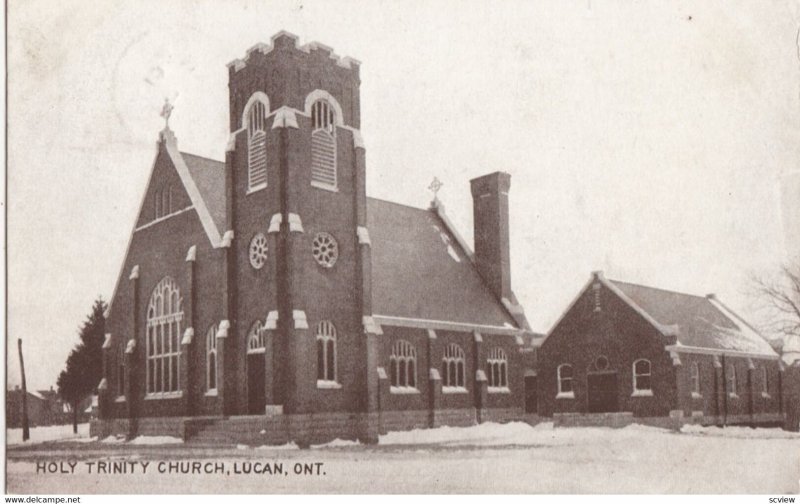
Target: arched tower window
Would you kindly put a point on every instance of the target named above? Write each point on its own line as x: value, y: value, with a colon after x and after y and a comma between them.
x: 453, y: 367
x: 326, y: 352
x: 323, y: 144
x: 164, y: 317
x: 211, y: 358
x: 403, y: 365
x: 497, y: 367
x: 256, y: 112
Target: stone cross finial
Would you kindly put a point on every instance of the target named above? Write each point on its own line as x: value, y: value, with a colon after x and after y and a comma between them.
x: 434, y: 188
x: 166, y: 111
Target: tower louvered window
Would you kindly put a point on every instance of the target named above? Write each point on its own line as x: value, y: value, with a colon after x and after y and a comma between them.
x: 323, y: 145
x: 257, y: 146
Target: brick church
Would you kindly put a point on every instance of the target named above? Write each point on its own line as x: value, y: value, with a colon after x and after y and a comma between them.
x: 268, y: 296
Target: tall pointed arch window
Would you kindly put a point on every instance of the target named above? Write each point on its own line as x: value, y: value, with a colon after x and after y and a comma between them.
x: 453, y: 369
x: 497, y: 367
x: 257, y: 144
x: 323, y: 145
x: 255, y: 339
x: 326, y: 354
x: 164, y: 318
x: 730, y: 377
x: 403, y: 367
x: 695, y: 379
x: 211, y: 359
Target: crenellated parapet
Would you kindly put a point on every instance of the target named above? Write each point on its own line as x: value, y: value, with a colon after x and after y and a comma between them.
x: 287, y: 72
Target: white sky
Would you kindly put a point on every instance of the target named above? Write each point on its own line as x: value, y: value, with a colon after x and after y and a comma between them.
x: 645, y: 140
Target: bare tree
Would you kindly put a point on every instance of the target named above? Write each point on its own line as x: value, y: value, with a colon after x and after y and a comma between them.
x: 779, y: 296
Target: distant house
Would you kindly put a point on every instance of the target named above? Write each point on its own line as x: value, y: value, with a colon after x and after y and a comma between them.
x: 652, y: 353
x: 44, y: 408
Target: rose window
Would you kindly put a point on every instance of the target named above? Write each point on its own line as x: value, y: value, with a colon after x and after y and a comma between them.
x: 258, y: 251
x: 325, y: 250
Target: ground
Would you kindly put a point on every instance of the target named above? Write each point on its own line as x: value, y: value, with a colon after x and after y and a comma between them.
x: 511, y: 458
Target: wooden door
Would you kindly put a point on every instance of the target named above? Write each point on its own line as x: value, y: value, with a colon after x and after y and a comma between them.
x: 602, y: 392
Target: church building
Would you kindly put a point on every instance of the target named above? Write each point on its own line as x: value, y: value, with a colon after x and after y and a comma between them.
x: 266, y: 299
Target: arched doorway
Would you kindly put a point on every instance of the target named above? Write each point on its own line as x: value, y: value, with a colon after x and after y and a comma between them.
x: 601, y: 387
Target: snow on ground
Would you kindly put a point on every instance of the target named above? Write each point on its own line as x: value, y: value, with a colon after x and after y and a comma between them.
x: 49, y: 433
x: 508, y: 458
x: 740, y: 432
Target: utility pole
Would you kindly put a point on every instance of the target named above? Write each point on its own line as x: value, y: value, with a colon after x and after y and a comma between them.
x: 26, y: 433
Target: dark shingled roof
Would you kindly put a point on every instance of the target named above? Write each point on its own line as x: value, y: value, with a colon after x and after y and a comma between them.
x: 419, y: 270
x: 209, y: 176
x: 702, y: 321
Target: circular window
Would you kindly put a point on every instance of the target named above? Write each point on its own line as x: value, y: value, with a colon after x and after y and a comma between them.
x: 258, y: 251
x: 601, y: 364
x: 325, y: 250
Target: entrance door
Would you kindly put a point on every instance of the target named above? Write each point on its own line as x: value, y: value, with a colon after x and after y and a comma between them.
x: 255, y: 383
x: 602, y: 390
x: 531, y: 399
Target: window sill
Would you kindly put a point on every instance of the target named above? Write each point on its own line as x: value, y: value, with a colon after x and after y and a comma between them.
x: 120, y: 399
x: 565, y: 395
x: 325, y: 384
x: 403, y: 390
x: 454, y: 390
x: 733, y: 395
x: 498, y: 390
x: 255, y: 189
x: 211, y: 393
x: 164, y: 395
x: 697, y: 395
x: 642, y: 393
x: 766, y: 395
x: 326, y: 187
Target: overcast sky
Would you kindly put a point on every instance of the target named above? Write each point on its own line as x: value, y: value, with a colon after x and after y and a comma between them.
x: 646, y: 139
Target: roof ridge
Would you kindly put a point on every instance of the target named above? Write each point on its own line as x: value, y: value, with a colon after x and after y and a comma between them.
x: 398, y: 204
x: 184, y: 153
x: 670, y: 291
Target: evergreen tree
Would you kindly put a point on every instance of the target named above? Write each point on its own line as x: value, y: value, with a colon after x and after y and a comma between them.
x: 84, y: 367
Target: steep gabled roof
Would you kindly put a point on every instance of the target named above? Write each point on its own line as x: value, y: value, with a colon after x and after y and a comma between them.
x: 702, y: 322
x: 420, y: 271
x: 209, y: 177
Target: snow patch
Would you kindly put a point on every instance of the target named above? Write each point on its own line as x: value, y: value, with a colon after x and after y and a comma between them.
x: 155, y: 440
x: 113, y: 440
x: 287, y: 446
x: 337, y: 443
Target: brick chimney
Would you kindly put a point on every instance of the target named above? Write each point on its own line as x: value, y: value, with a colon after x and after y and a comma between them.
x: 490, y: 215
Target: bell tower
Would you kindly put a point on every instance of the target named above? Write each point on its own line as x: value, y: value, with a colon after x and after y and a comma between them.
x: 296, y: 176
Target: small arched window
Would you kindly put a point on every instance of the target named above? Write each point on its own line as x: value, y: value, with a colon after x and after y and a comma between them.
x: 497, y: 367
x: 255, y: 338
x: 164, y: 317
x: 157, y: 198
x: 326, y: 353
x: 730, y: 377
x: 403, y: 365
x: 121, y: 371
x: 641, y: 378
x: 764, y: 381
x: 564, y: 376
x: 695, y: 376
x: 211, y: 358
x: 323, y: 145
x: 453, y: 367
x: 257, y: 145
